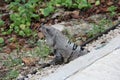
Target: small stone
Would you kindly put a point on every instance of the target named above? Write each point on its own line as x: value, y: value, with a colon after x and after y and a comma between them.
x: 110, y: 3
x: 29, y: 76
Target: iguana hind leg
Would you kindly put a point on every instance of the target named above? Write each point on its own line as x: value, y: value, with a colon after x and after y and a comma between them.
x: 57, y: 60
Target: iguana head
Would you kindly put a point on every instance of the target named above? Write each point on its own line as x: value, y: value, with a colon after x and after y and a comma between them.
x: 49, y: 33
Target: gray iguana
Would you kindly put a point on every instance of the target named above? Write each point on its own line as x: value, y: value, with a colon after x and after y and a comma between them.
x: 64, y: 50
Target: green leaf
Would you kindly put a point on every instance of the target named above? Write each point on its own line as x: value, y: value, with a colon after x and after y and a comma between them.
x: 21, y: 33
x: 112, y: 8
x: 83, y: 4
x: 47, y: 10
x: 4, y: 33
x: 1, y: 22
x: 27, y: 31
x: 1, y: 40
x: 8, y: 32
x: 13, y: 74
x: 11, y: 39
x: 22, y: 26
x: 27, y: 24
x: 14, y: 16
x: 23, y: 1
x: 68, y: 3
x: 97, y: 2
x: 35, y: 16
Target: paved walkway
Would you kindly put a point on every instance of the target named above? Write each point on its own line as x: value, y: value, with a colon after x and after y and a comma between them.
x: 107, y: 68
x: 101, y: 64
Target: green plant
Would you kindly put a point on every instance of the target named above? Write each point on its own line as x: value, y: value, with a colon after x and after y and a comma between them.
x: 83, y: 4
x: 47, y: 10
x: 98, y: 28
x: 1, y: 22
x: 95, y: 30
x: 112, y: 10
x: 12, y: 74
x: 42, y: 50
x: 1, y: 40
x: 1, y: 43
x: 80, y: 4
x: 97, y: 2
x: 66, y: 3
x: 11, y: 62
x: 24, y: 11
x: 11, y: 39
x: 21, y: 19
x: 52, y: 4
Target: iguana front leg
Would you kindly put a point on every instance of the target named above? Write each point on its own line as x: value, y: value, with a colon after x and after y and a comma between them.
x: 57, y: 60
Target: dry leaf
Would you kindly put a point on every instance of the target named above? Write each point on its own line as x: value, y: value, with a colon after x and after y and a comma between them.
x: 7, y: 50
x: 29, y: 61
x: 102, y: 1
x: 75, y: 14
x: 22, y: 42
x: 12, y: 46
x: 5, y: 16
x: 103, y: 9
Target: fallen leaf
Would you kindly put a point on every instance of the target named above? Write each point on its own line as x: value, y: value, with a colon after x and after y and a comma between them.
x: 119, y: 3
x: 22, y: 42
x: 29, y: 61
x: 5, y: 16
x: 102, y: 1
x: 35, y: 26
x: 7, y: 50
x: 12, y: 46
x: 103, y: 9
x: 75, y: 14
x: 66, y: 15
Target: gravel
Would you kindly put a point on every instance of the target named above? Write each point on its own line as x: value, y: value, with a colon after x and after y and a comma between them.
x: 103, y: 40
x: 43, y: 72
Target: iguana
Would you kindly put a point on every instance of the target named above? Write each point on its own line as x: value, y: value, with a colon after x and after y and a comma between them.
x: 64, y: 50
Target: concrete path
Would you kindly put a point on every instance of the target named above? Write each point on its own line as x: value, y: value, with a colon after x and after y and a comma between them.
x: 107, y: 68
x: 101, y: 64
